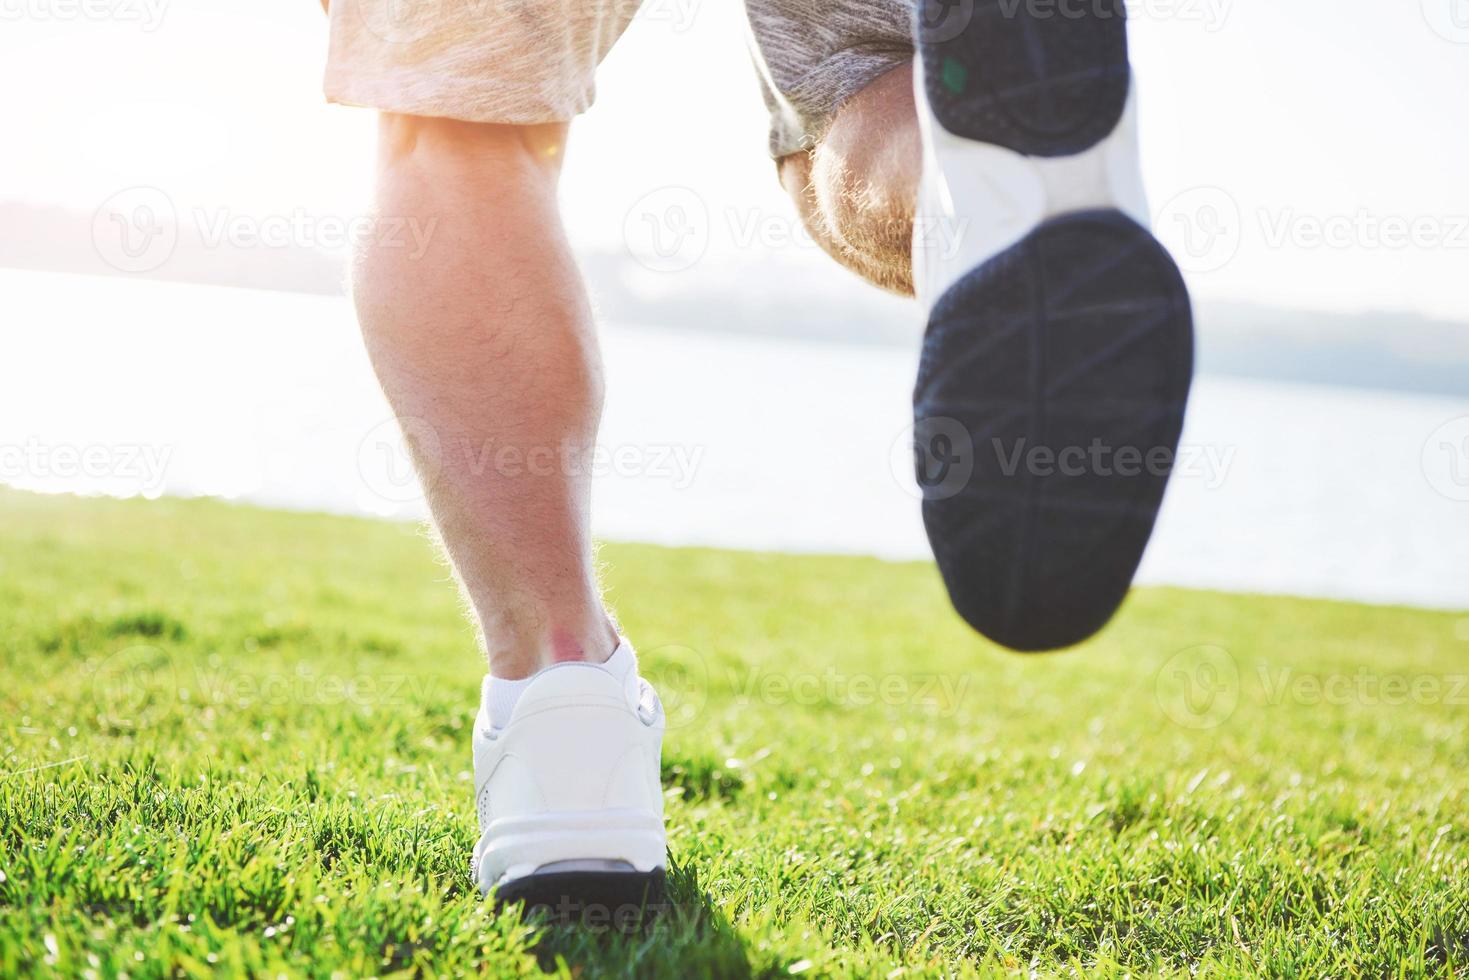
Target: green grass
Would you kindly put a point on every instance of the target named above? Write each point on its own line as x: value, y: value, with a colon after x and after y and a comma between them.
x: 238, y: 740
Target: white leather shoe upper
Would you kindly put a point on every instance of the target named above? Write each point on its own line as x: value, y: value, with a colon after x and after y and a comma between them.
x: 572, y: 778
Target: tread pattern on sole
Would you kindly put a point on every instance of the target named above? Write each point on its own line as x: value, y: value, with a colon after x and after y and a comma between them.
x: 600, y: 898
x: 1049, y: 404
x: 1043, y: 79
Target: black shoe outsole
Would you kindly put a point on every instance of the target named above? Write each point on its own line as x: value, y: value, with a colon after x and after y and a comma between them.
x: 1043, y: 78
x: 1080, y: 335
x: 617, y: 899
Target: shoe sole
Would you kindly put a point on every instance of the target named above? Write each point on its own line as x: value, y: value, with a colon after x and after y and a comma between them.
x: 1055, y: 373
x: 1078, y: 337
x: 616, y: 899
x: 1045, y: 83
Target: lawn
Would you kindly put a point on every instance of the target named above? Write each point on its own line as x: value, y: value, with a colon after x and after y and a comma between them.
x: 237, y: 740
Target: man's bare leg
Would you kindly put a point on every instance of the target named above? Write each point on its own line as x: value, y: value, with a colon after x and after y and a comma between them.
x: 486, y: 342
x: 857, y: 188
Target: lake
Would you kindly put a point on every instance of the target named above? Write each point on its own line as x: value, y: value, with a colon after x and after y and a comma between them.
x: 125, y: 387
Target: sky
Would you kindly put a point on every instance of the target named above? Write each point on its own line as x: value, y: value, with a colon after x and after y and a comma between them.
x: 1307, y: 154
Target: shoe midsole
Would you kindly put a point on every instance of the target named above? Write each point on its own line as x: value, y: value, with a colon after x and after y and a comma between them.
x: 513, y: 847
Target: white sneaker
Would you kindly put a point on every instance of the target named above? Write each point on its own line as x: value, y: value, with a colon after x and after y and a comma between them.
x: 1059, y: 351
x: 569, y: 796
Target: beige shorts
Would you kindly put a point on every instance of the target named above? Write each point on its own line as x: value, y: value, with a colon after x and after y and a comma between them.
x: 533, y: 61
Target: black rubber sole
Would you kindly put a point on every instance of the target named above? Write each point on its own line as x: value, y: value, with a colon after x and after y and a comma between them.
x: 611, y: 899
x: 1049, y: 404
x: 1041, y: 77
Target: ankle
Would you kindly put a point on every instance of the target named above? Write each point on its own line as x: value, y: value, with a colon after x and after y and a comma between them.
x: 520, y: 656
x: 500, y: 694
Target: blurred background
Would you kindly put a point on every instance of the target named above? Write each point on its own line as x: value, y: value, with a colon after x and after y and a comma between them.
x: 178, y: 203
